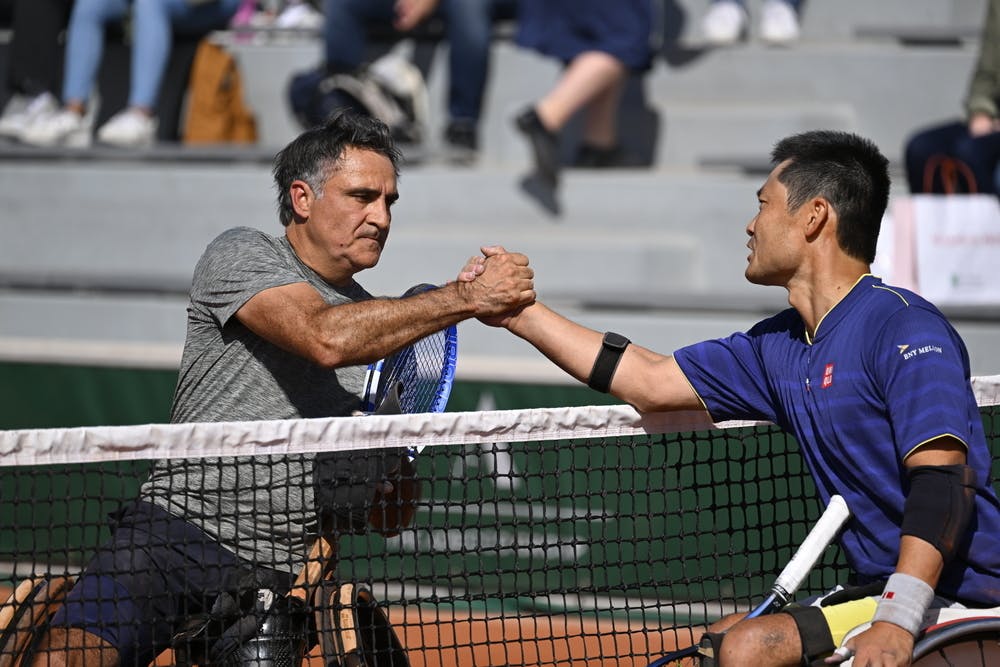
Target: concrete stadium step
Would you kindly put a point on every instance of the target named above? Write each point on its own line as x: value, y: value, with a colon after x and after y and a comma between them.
x: 754, y: 94
x: 621, y: 230
x: 748, y: 95
x: 843, y: 18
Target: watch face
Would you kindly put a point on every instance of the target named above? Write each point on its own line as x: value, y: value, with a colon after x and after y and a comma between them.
x: 615, y: 340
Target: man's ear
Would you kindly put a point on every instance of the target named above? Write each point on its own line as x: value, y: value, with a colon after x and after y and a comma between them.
x: 302, y: 198
x: 818, y: 214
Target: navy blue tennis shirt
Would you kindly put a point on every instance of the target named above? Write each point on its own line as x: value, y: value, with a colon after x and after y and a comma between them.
x: 883, y: 374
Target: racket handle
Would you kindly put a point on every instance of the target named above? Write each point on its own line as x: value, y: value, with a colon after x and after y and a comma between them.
x: 793, y: 574
x: 811, y: 549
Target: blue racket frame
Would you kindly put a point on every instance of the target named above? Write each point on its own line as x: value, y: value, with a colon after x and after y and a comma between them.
x: 424, y: 371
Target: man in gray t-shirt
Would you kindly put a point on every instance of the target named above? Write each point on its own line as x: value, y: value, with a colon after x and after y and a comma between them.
x: 229, y: 373
x: 277, y: 328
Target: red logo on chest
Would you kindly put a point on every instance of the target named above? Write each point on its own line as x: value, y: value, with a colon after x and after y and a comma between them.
x: 827, y: 376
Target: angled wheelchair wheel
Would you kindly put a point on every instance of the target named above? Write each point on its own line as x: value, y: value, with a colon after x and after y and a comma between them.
x: 973, y: 642
x: 25, y: 615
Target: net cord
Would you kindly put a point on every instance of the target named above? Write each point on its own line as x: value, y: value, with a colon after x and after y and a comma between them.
x: 93, y: 444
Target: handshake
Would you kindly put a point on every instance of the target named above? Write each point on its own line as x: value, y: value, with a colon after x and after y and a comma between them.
x: 497, y: 284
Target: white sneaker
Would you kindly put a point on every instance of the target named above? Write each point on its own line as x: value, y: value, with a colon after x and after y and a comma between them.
x: 128, y: 129
x: 60, y: 128
x: 300, y: 16
x: 725, y: 23
x: 779, y: 24
x: 20, y: 113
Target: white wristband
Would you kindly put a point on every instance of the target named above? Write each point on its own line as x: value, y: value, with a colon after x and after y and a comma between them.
x: 904, y: 601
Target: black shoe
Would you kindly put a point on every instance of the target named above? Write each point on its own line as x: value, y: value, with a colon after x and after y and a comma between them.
x: 461, y: 144
x: 544, y: 143
x: 543, y: 191
x: 597, y: 157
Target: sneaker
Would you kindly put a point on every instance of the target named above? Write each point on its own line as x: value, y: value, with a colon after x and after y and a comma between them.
x: 544, y: 144
x: 299, y: 16
x: 725, y: 23
x: 779, y: 24
x: 461, y: 144
x: 128, y: 129
x: 60, y: 128
x: 19, y: 114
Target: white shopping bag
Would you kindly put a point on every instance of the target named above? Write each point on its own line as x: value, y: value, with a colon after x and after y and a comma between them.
x: 947, y: 247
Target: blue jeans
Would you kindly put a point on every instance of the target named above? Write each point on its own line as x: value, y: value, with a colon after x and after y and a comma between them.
x: 469, y: 34
x: 981, y: 154
x: 153, y: 25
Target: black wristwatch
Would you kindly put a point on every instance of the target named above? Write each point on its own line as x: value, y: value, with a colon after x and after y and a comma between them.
x: 607, y: 361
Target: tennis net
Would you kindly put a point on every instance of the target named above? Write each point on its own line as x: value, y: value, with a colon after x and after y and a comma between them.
x: 590, y: 535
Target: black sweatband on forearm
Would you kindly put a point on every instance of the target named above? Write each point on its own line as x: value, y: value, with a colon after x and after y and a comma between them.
x: 612, y: 349
x: 939, y: 506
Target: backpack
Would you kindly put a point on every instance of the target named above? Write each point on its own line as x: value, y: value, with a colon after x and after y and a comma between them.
x: 391, y: 89
x: 216, y: 112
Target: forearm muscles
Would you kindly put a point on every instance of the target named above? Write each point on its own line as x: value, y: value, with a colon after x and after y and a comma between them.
x: 295, y: 318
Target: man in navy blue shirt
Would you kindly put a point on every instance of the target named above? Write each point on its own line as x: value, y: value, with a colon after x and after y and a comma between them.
x: 871, y: 380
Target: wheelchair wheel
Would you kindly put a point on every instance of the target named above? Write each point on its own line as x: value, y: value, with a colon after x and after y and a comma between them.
x: 973, y: 642
x: 25, y: 615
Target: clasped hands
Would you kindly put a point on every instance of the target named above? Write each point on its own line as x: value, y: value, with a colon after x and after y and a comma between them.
x: 498, y: 284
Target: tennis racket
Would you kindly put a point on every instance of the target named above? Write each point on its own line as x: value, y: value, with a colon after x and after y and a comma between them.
x: 793, y: 574
x: 422, y: 373
x: 417, y: 378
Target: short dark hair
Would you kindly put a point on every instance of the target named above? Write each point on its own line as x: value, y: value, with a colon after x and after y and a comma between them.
x: 849, y: 172
x: 312, y: 156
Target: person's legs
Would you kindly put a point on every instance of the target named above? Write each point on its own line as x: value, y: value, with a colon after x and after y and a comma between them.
x: 138, y: 589
x: 589, y: 76
x: 85, y: 46
x: 470, y: 32
x: 154, y: 23
x: 600, y: 127
x: 982, y: 154
x: 34, y: 72
x: 925, y: 144
x: 70, y: 126
x: 775, y: 636
x: 35, y: 54
x: 344, y: 31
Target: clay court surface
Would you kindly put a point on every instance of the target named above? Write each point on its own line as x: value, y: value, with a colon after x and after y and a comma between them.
x: 435, y: 639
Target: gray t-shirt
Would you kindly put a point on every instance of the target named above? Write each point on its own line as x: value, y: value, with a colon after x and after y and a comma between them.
x: 260, y: 508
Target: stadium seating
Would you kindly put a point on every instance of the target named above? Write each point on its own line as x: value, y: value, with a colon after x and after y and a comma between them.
x: 656, y: 250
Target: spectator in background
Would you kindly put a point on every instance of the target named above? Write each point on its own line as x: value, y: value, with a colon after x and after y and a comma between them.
x: 600, y: 43
x: 469, y: 29
x: 153, y: 24
x: 727, y: 21
x: 974, y: 141
x: 34, y: 72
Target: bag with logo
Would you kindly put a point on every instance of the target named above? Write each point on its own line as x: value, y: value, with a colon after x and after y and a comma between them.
x: 217, y: 112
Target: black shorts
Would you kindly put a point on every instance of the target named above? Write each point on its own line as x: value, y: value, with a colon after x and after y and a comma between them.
x: 155, y: 572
